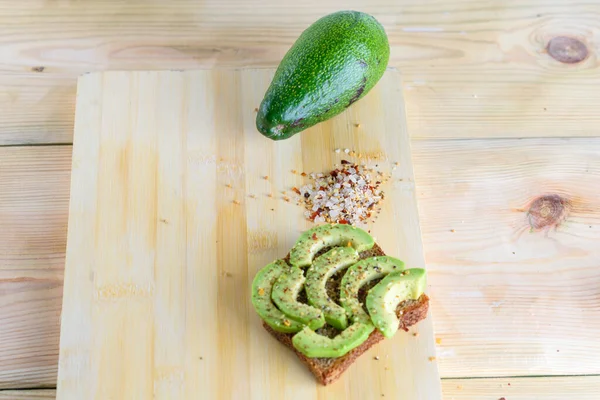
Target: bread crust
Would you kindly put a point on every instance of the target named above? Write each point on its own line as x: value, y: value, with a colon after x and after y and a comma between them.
x: 328, y: 370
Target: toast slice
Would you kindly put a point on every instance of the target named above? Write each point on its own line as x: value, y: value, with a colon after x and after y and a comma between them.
x: 327, y: 370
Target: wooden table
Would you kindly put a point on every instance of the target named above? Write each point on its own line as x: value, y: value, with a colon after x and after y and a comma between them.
x: 502, y: 104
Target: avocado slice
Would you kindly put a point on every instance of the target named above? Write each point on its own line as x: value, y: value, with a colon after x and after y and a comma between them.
x: 335, y: 62
x: 262, y: 286
x: 383, y: 298
x: 359, y: 274
x: 319, y: 237
x: 311, y: 344
x: 285, y: 294
x: 317, y: 275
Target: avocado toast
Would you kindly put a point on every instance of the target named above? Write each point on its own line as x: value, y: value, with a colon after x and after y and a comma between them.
x: 349, y: 297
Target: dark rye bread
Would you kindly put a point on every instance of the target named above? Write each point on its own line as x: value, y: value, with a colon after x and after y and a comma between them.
x: 327, y: 370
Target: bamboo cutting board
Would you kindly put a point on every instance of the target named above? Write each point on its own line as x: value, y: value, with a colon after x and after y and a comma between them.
x: 170, y: 219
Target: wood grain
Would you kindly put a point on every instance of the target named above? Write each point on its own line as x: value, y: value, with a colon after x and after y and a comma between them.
x: 27, y: 394
x: 542, y: 388
x: 471, y: 69
x: 158, y: 267
x: 34, y: 193
x: 510, y: 299
x: 30, y: 315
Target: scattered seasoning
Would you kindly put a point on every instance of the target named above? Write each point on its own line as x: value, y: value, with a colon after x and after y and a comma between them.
x: 266, y: 177
x: 431, y: 358
x: 261, y: 291
x: 228, y: 185
x: 452, y: 230
x: 350, y: 194
x: 285, y: 198
x: 236, y: 202
x: 270, y: 195
x: 294, y: 171
x: 287, y: 322
x: 314, y: 236
x: 295, y: 190
x: 376, y: 358
x: 406, y: 272
x: 416, y: 334
x: 303, y: 174
x: 357, y: 125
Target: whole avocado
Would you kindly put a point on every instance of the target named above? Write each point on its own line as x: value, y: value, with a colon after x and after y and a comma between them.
x: 333, y: 64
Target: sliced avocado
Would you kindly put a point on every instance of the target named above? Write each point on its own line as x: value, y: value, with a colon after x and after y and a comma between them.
x: 285, y: 294
x: 383, y: 298
x: 311, y: 344
x: 317, y: 275
x: 319, y: 237
x: 359, y: 274
x: 262, y: 286
x: 335, y: 62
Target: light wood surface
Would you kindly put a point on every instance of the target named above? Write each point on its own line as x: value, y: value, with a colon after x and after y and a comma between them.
x: 541, y: 388
x: 539, y: 286
x: 28, y: 394
x: 471, y: 69
x: 161, y: 252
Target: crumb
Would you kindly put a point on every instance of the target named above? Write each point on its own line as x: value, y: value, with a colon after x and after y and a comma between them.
x: 357, y: 125
x: 459, y: 387
x: 256, y: 109
x: 294, y: 171
x: 416, y: 334
x: 432, y: 359
x: 236, y: 202
x: 228, y: 185
x: 376, y: 358
x: 266, y: 177
x: 396, y: 163
x: 452, y: 230
x: 270, y: 195
x: 438, y: 340
x: 252, y: 196
x: 164, y: 221
x: 261, y: 291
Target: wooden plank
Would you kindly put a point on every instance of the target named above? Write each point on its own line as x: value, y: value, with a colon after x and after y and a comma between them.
x: 27, y: 394
x: 542, y: 388
x: 515, y: 290
x: 161, y: 252
x: 34, y: 197
x: 471, y: 69
x: 29, y: 331
x: 465, y: 320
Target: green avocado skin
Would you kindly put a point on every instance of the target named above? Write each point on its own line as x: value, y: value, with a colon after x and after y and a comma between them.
x: 333, y: 64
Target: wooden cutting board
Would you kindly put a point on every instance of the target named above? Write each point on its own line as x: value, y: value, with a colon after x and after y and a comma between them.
x: 170, y: 219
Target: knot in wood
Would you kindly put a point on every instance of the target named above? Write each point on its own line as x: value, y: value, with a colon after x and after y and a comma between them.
x: 567, y: 50
x: 548, y: 211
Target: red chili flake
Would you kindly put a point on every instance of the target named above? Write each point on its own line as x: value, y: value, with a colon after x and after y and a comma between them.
x: 346, y: 162
x: 343, y: 222
x: 296, y: 190
x: 321, y: 188
x: 303, y: 174
x: 313, y: 215
x: 314, y: 236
